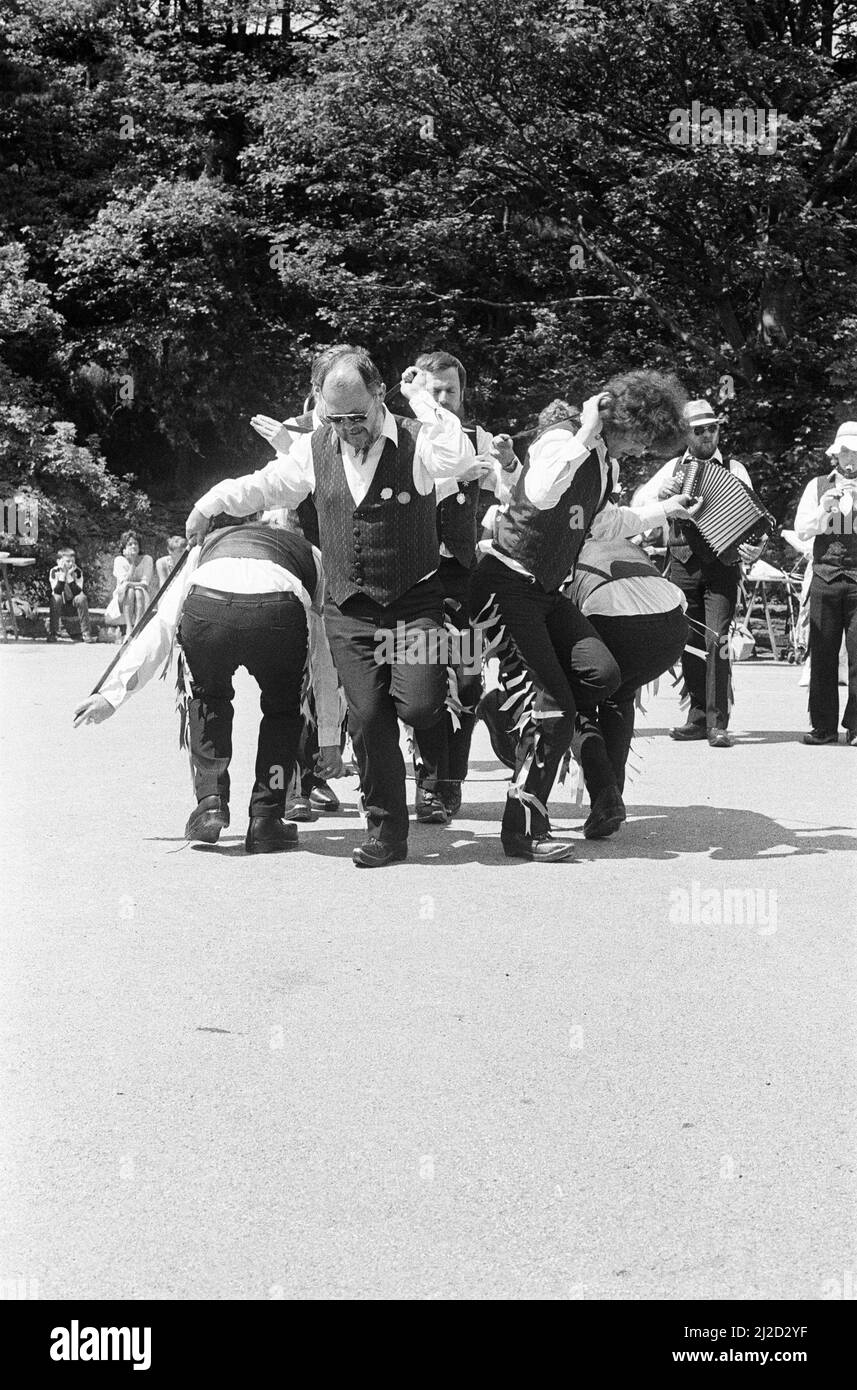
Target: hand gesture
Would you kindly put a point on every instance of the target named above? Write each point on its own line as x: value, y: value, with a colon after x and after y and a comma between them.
x: 682, y: 508
x: 830, y: 500
x: 413, y: 380
x: 505, y: 452
x: 590, y: 417
x: 93, y: 711
x: 196, y: 527
x: 748, y: 553
x: 276, y: 434
x: 670, y: 487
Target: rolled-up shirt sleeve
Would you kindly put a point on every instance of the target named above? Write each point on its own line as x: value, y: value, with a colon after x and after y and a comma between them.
x: 555, y: 458
x: 443, y: 449
x: 284, y: 482
x: 810, y: 519
x: 613, y: 522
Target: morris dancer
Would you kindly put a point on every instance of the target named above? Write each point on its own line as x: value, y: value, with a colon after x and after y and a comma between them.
x: 553, y: 666
x: 251, y: 596
x: 460, y: 503
x: 372, y: 476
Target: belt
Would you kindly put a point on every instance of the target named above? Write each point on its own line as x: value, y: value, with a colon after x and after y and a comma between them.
x: 220, y: 596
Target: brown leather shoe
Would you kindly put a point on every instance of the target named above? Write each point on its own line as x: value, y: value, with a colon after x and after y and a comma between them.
x: 298, y: 808
x: 687, y: 733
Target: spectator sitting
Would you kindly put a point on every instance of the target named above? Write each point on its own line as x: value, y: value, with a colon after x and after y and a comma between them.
x: 176, y: 546
x: 67, y: 599
x: 133, y: 573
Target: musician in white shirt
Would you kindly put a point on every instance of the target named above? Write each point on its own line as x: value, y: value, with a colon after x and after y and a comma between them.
x: 711, y: 588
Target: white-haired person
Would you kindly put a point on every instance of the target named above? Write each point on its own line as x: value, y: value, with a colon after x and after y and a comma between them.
x: 825, y: 514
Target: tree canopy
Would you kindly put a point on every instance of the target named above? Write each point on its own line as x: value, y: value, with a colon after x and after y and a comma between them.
x: 197, y: 194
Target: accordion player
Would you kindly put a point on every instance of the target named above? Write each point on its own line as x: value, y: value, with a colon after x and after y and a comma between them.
x: 730, y: 516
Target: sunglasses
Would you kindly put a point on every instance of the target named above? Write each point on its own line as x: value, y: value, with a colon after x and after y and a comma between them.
x: 704, y: 429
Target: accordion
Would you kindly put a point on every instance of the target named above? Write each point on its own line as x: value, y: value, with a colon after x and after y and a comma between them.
x: 730, y: 514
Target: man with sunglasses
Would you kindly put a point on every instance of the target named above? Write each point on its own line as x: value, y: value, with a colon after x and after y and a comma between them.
x: 372, y: 476
x: 711, y: 589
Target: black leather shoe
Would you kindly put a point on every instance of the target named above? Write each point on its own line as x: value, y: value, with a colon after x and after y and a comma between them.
x: 818, y: 736
x: 430, y: 808
x: 851, y: 737
x: 607, y: 814
x: 718, y: 738
x: 450, y: 795
x: 375, y: 854
x: 502, y: 740
x: 298, y: 808
x: 323, y: 798
x: 269, y: 835
x: 687, y: 733
x: 206, y: 822
x: 541, y: 848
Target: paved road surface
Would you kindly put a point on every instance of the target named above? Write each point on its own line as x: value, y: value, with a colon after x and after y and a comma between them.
x: 627, y: 1076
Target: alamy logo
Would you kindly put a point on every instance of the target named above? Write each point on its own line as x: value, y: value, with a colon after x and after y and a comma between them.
x: 19, y: 516
x: 724, y: 907
x: 753, y: 128
x: 78, y: 1343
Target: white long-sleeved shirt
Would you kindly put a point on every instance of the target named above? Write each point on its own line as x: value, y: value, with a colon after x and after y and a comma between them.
x: 442, y: 450
x: 232, y: 575
x: 555, y: 459
x: 812, y: 520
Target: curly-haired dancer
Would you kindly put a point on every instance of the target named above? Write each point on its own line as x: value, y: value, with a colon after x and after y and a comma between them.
x: 554, y: 668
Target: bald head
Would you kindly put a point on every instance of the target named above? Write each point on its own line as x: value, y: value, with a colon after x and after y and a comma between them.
x: 350, y: 385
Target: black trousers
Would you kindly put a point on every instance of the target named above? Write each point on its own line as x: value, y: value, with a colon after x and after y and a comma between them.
x: 832, y: 612
x: 380, y: 689
x: 548, y: 648
x: 452, y: 755
x: 711, y: 592
x: 644, y: 645
x: 267, y: 633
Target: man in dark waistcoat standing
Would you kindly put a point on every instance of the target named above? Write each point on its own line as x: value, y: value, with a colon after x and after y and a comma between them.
x: 825, y: 514
x: 554, y: 668
x: 460, y: 505
x: 372, y: 476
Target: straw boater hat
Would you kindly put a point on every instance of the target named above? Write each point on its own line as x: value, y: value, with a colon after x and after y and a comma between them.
x: 699, y: 413
x: 846, y: 435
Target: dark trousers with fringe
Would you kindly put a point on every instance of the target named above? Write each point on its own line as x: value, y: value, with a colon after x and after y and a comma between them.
x: 557, y: 670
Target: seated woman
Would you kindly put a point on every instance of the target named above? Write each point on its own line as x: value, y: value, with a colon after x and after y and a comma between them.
x: 133, y: 573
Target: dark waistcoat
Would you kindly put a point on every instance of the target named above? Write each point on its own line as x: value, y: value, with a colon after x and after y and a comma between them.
x: 458, y: 518
x: 835, y: 552
x: 386, y: 544
x: 255, y: 542
x: 547, y: 541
